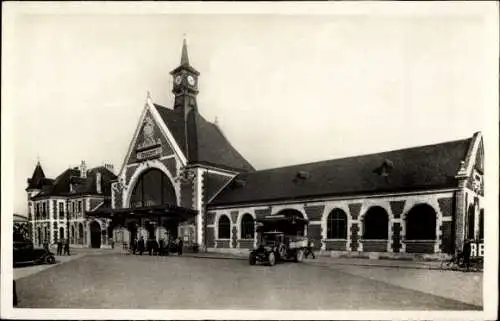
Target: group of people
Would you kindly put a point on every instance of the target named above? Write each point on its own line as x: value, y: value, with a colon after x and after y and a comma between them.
x: 154, y: 247
x: 62, y: 245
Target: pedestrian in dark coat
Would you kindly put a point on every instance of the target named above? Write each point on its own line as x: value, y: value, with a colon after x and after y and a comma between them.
x: 59, y: 246
x: 140, y: 245
x: 46, y: 246
x: 180, y: 244
x: 155, y: 247
x: 161, y: 247
x: 310, y: 249
x: 66, y: 247
x: 466, y: 251
x: 133, y: 246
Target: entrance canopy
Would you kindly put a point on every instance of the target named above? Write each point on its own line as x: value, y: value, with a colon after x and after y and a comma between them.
x: 167, y: 211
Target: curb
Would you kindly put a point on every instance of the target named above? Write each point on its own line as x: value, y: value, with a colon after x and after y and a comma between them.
x: 325, y: 263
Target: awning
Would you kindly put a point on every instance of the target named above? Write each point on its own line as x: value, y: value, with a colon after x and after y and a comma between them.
x: 156, y: 211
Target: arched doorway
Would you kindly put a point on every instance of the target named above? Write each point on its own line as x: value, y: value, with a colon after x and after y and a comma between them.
x: 421, y: 223
x: 95, y: 235
x: 247, y: 228
x: 80, y: 233
x: 375, y: 230
x: 376, y: 224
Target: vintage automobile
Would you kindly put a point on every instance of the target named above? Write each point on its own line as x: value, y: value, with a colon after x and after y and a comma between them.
x: 25, y: 253
x: 279, y: 240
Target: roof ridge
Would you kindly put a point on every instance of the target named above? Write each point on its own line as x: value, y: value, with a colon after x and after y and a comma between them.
x: 362, y: 155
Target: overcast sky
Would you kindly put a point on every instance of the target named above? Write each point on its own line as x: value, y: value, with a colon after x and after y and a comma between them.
x: 286, y: 89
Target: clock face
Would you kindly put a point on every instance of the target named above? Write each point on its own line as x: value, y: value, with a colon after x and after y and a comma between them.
x: 178, y: 80
x: 191, y: 80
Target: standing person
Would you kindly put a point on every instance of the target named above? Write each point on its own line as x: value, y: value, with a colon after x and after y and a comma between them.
x: 150, y: 246
x: 133, y: 246
x: 46, y: 245
x: 66, y: 247
x: 59, y: 246
x: 466, y: 254
x: 161, y: 247
x: 112, y: 242
x: 310, y: 248
x: 155, y: 247
x: 180, y: 244
x: 140, y: 245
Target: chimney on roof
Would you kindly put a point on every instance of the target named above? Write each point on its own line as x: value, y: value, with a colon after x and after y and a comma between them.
x: 83, y: 170
x: 110, y: 168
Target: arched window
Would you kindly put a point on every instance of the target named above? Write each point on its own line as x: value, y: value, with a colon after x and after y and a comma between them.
x: 224, y: 227
x: 376, y: 224
x: 153, y: 188
x: 247, y: 227
x: 481, y: 225
x: 336, y: 225
x: 470, y: 223
x: 421, y: 223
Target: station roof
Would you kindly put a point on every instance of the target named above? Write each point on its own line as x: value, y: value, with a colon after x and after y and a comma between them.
x: 418, y: 168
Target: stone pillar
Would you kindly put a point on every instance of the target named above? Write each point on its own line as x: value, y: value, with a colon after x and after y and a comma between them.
x: 476, y: 218
x: 460, y: 213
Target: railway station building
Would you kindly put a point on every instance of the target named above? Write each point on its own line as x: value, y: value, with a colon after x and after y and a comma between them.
x: 181, y: 177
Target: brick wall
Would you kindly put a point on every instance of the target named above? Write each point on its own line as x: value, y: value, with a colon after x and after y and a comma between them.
x: 375, y: 246
x: 246, y: 244
x: 396, y: 237
x: 447, y: 237
x: 210, y: 237
x: 336, y: 245
x: 420, y: 247
x: 314, y: 233
x: 354, y: 236
x: 223, y: 244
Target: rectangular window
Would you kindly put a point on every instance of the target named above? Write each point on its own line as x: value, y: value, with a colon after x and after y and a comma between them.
x: 61, y: 210
x: 44, y: 210
x: 79, y: 206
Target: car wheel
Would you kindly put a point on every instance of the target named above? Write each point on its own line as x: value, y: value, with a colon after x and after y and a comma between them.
x: 252, y: 259
x: 299, y: 256
x: 271, y: 258
x: 50, y: 260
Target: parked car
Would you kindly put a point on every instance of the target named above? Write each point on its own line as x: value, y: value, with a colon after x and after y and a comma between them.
x: 25, y: 253
x: 279, y: 240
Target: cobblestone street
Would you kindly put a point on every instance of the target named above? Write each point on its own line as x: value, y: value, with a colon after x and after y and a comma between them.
x: 122, y: 281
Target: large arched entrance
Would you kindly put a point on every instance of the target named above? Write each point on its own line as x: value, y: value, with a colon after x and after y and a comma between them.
x: 421, y: 223
x: 153, y: 188
x: 375, y: 230
x: 95, y: 235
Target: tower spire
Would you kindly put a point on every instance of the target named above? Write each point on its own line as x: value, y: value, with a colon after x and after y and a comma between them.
x: 184, y: 57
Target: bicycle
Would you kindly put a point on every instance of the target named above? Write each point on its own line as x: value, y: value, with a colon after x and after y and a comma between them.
x: 456, y: 263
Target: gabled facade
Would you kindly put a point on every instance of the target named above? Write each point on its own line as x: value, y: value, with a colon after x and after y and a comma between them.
x: 176, y: 162
x: 57, y: 208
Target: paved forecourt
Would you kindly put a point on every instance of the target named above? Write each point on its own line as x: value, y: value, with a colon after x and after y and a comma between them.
x: 122, y: 281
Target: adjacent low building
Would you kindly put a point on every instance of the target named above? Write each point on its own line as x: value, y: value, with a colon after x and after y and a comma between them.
x: 57, y: 208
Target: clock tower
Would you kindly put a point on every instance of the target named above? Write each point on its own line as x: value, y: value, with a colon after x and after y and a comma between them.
x: 185, y: 82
